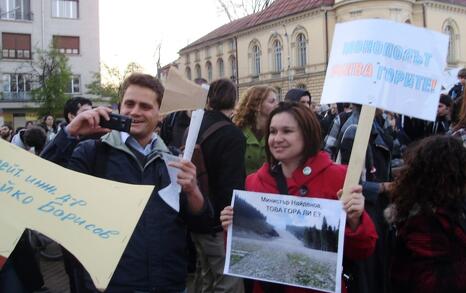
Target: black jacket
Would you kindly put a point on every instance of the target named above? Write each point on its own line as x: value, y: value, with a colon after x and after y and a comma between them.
x: 155, y: 257
x: 224, y: 153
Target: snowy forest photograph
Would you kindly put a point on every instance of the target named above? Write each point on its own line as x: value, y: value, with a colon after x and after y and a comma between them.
x: 295, y: 250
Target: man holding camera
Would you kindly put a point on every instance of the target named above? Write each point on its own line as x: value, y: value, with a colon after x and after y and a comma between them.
x: 154, y: 259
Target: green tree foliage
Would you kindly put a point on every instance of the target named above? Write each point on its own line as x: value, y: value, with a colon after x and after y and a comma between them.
x: 109, y: 86
x: 325, y: 239
x: 52, y: 77
x: 249, y: 218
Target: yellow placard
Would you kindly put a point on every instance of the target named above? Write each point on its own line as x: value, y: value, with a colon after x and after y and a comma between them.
x: 91, y: 217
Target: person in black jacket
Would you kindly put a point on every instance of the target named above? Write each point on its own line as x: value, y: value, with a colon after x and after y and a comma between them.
x: 154, y: 259
x: 223, y: 153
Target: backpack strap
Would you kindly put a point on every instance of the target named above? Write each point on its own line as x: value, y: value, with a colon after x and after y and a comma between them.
x: 211, y: 129
x: 100, y: 160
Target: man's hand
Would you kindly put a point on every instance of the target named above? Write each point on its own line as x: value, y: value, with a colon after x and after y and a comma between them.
x: 188, y: 180
x: 87, y: 122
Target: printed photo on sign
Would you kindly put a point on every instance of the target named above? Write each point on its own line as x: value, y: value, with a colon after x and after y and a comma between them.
x: 286, y: 239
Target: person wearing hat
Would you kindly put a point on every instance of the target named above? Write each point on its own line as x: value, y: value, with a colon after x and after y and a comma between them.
x: 299, y: 96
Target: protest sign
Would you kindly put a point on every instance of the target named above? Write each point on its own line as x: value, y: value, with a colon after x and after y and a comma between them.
x: 182, y: 94
x: 91, y: 217
x: 286, y: 239
x: 385, y: 64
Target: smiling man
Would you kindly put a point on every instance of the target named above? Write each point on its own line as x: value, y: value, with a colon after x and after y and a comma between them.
x: 154, y: 259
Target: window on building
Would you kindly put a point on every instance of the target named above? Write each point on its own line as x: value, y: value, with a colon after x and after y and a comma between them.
x: 65, y: 8
x: 208, y: 67
x: 207, y: 52
x: 220, y: 48
x: 74, y: 87
x: 301, y: 86
x: 277, y: 56
x: 302, y: 54
x: 16, y: 46
x: 233, y: 67
x: 221, y: 67
x: 198, y: 71
x: 66, y: 44
x: 188, y: 59
x: 196, y: 56
x: 279, y: 93
x: 15, y: 9
x: 188, y: 73
x: 256, y: 60
x: 16, y: 83
x: 231, y: 44
x: 450, y: 31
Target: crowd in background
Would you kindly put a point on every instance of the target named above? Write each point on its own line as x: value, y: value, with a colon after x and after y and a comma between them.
x: 406, y: 225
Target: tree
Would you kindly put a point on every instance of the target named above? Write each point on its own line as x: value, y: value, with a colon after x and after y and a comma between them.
x: 113, y: 81
x: 52, y: 76
x: 235, y: 9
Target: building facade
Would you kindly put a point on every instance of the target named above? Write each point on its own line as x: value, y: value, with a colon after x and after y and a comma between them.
x: 72, y: 26
x: 288, y: 44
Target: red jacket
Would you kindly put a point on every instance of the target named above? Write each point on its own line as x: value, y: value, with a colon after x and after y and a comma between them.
x: 325, y: 180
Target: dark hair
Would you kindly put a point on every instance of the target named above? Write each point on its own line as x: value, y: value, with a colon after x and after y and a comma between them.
x: 143, y: 80
x: 73, y: 105
x: 445, y: 99
x: 294, y: 95
x: 462, y: 73
x: 434, y: 177
x: 34, y: 137
x: 308, y: 124
x: 222, y: 95
x: 461, y: 104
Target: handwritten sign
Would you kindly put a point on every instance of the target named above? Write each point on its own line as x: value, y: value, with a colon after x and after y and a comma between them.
x: 272, y: 234
x: 91, y: 217
x: 385, y: 64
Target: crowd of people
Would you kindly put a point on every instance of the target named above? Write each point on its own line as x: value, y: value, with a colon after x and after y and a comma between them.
x: 405, y: 222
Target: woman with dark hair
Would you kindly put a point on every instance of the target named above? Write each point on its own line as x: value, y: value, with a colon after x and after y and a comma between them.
x: 48, y: 124
x: 251, y: 116
x: 297, y: 166
x: 428, y: 213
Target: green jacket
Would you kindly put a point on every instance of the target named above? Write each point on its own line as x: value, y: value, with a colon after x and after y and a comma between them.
x: 255, y: 151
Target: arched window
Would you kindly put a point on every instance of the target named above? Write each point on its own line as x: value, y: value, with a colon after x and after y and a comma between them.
x: 208, y: 67
x: 277, y: 56
x: 188, y: 73
x: 233, y: 67
x: 256, y: 60
x: 450, y: 31
x: 198, y: 71
x: 301, y: 46
x: 221, y: 67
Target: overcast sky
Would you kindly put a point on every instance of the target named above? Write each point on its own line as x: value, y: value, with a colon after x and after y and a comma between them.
x: 131, y: 30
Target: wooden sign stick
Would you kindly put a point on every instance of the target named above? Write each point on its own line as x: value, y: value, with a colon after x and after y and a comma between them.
x: 358, y: 152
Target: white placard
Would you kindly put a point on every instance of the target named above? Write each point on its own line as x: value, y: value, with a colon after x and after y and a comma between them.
x: 285, y: 239
x: 385, y: 64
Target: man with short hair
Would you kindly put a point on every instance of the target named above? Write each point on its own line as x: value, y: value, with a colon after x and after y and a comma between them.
x: 74, y: 106
x: 154, y: 259
x: 224, y: 156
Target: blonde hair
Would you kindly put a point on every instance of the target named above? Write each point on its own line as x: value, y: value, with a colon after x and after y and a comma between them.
x: 249, y: 105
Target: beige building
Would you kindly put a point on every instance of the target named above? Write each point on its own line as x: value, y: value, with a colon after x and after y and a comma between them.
x: 288, y: 44
x: 27, y: 25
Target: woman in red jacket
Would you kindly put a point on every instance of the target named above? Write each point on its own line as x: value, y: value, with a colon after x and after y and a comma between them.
x: 293, y: 154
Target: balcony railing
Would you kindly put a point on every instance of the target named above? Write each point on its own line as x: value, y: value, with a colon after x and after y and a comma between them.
x: 16, y: 14
x: 15, y: 97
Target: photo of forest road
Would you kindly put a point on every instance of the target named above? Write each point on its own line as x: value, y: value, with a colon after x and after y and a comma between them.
x: 303, y: 256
